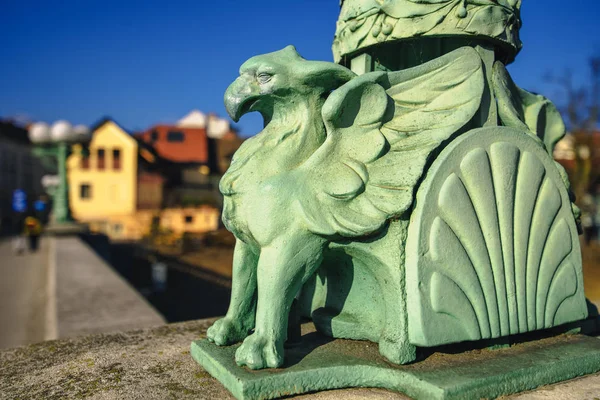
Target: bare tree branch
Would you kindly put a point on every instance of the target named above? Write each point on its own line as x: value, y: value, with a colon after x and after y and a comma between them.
x: 581, y: 104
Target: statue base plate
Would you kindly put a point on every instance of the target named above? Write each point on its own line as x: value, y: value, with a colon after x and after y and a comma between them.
x: 321, y: 363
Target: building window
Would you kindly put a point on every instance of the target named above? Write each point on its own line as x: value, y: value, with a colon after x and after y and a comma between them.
x: 85, y: 162
x: 101, y: 163
x: 153, y: 136
x: 175, y: 136
x: 85, y: 191
x: 116, y: 159
x: 189, y: 219
x: 117, y: 229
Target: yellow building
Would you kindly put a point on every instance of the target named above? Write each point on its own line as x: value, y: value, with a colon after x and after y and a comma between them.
x: 103, y: 183
x: 190, y: 219
x: 125, y: 227
x: 113, y: 189
x: 111, y: 186
x: 176, y: 221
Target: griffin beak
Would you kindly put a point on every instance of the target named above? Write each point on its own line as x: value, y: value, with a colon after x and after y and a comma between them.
x: 239, y: 98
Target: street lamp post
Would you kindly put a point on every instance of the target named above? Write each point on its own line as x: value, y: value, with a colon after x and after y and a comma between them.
x: 55, y: 142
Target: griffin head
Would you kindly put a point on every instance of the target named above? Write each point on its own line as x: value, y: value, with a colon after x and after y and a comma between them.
x: 276, y: 81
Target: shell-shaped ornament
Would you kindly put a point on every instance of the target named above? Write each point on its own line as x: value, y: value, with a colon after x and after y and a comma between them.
x: 492, y: 248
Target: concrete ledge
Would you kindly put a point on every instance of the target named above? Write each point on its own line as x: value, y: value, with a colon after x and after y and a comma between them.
x: 141, y: 364
x: 156, y: 364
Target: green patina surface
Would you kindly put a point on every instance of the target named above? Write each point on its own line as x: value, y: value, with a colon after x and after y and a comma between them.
x: 496, y: 252
x: 406, y: 196
x: 323, y: 364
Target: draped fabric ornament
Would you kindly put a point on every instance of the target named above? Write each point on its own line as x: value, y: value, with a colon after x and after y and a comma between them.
x: 364, y: 23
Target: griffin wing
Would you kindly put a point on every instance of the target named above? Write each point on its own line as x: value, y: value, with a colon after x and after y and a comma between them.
x: 527, y: 111
x: 534, y: 114
x: 381, y: 129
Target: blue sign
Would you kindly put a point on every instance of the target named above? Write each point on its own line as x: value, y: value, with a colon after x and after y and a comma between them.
x: 39, y: 205
x: 19, y: 201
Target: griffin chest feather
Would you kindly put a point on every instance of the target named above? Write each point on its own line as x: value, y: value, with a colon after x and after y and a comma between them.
x: 261, y: 165
x: 240, y: 184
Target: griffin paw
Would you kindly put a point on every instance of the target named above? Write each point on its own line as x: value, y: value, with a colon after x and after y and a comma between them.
x: 259, y: 352
x: 225, y: 332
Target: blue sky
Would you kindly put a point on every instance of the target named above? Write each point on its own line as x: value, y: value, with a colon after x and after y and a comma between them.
x: 144, y: 62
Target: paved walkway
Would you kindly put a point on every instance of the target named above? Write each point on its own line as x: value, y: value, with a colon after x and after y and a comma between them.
x: 65, y: 290
x: 92, y: 297
x: 23, y: 295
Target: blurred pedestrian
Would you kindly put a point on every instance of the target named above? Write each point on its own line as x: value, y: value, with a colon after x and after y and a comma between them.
x: 17, y: 231
x: 33, y: 230
x: 19, y: 244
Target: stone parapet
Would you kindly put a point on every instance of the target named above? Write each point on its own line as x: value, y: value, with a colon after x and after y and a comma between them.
x: 156, y: 364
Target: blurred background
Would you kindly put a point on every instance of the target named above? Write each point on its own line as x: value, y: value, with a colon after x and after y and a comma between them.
x: 112, y: 126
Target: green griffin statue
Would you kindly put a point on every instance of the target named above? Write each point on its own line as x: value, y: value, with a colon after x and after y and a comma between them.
x: 413, y: 207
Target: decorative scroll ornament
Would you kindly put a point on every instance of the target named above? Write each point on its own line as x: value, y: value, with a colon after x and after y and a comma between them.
x: 363, y: 23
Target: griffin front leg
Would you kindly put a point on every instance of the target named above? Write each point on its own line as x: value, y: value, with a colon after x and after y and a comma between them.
x: 282, y: 269
x: 239, y: 319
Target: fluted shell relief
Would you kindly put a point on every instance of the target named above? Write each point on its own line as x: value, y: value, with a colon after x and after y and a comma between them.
x: 498, y: 253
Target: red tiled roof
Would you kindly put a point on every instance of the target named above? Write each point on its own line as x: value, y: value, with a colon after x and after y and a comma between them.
x: 193, y: 148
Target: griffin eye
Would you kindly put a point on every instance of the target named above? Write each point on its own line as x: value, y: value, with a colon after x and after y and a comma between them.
x: 263, y: 77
